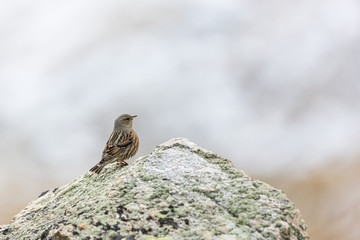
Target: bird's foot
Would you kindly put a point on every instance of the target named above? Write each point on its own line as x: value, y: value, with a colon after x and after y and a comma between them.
x: 122, y: 164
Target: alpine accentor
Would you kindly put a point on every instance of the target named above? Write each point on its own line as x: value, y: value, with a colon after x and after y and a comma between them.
x: 122, y: 144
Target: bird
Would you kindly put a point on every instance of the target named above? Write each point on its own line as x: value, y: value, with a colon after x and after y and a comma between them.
x: 123, y: 143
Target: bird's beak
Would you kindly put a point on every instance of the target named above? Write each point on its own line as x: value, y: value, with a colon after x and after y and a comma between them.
x: 132, y: 117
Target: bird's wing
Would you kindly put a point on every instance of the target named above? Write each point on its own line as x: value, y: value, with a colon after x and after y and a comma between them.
x: 110, y: 150
x: 116, y: 144
x: 124, y: 143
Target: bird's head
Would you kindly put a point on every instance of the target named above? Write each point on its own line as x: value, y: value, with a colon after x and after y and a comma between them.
x: 124, y: 121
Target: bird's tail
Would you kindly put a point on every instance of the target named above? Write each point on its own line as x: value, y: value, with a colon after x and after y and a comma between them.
x: 97, y: 168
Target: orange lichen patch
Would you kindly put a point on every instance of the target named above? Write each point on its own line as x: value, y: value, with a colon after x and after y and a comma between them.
x: 82, y: 225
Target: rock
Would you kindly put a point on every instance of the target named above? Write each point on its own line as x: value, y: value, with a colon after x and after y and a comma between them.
x: 179, y: 191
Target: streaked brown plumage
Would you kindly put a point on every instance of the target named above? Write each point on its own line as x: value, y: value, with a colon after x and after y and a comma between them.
x: 123, y: 143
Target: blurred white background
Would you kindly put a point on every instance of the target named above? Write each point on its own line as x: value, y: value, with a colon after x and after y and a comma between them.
x: 273, y: 86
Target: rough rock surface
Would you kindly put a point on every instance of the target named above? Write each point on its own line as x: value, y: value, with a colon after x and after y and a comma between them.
x: 179, y: 191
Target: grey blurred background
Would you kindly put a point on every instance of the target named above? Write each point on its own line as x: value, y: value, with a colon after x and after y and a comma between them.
x: 273, y: 86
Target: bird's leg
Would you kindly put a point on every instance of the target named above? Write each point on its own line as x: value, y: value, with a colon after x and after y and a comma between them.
x: 122, y: 164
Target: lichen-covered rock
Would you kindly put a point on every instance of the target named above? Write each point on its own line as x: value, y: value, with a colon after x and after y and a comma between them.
x: 179, y: 191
